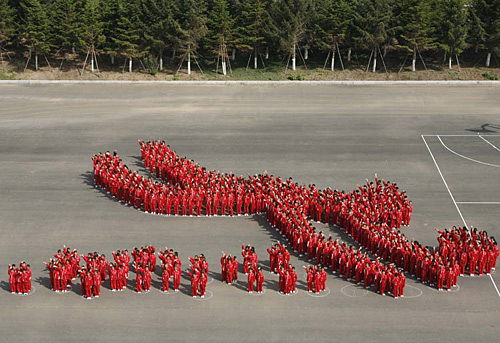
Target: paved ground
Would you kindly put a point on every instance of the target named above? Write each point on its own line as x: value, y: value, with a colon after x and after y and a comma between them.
x: 329, y: 135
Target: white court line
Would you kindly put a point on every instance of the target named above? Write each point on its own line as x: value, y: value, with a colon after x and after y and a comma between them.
x: 442, y: 177
x: 489, y: 143
x: 465, y: 157
x: 452, y: 198
x: 478, y: 202
x: 459, y: 135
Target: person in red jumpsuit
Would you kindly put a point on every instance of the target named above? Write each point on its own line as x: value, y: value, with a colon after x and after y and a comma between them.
x: 310, y: 279
x: 147, y: 279
x: 318, y: 280
x: 195, y: 280
x: 203, y: 283
x: 293, y: 273
x: 113, y: 277
x: 89, y: 282
x: 97, y: 283
x: 139, y: 281
x: 13, y: 271
x: 165, y: 278
x: 251, y: 280
x: 450, y: 275
x: 383, y: 282
x: 177, y: 276
x: 260, y: 280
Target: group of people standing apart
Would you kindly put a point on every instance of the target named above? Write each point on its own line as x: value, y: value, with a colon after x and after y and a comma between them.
x: 20, y: 278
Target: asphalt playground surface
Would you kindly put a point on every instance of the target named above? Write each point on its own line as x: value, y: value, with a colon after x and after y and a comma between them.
x: 426, y: 138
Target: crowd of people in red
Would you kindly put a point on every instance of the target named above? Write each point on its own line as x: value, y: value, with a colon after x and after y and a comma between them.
x: 63, y: 268
x: 372, y: 215
x: 229, y: 268
x: 316, y: 279
x: 199, y: 275
x: 93, y: 274
x: 171, y: 269
x: 20, y: 278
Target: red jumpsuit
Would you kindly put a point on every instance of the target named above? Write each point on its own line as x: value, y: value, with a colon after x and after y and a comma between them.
x: 260, y: 281
x: 251, y: 280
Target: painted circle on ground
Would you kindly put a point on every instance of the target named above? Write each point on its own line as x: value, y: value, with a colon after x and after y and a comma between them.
x: 33, y: 290
x: 321, y: 294
x: 291, y: 294
x: 255, y: 293
x: 169, y: 292
x: 142, y: 293
x: 210, y: 280
x: 354, y: 291
x: 208, y: 295
x: 412, y: 292
x: 453, y: 289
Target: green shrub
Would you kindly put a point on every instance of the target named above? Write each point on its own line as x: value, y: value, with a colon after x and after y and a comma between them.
x: 295, y: 77
x: 489, y: 76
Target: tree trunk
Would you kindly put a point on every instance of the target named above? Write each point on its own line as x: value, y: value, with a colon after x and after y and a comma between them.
x: 488, y: 59
x: 233, y: 54
x: 333, y: 60
x: 189, y: 62
x: 223, y: 66
x: 375, y: 62
x: 414, y: 60
x: 173, y: 53
x: 130, y: 65
x: 255, y: 62
x: 161, y: 60
x: 92, y: 64
x: 112, y: 59
x: 36, y: 61
x: 476, y: 48
x: 293, y: 58
x: 349, y: 55
x: 449, y: 61
x: 385, y: 51
x: 267, y: 53
x: 306, y: 53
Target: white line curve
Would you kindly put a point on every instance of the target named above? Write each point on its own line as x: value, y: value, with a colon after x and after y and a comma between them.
x: 467, y: 158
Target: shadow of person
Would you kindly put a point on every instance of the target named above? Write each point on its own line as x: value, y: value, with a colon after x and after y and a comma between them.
x: 5, y: 286
x: 486, y: 128
x: 240, y: 284
x: 44, y: 281
x: 272, y: 285
x: 215, y: 275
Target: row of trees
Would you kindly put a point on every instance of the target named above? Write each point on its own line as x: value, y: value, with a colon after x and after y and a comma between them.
x: 151, y: 30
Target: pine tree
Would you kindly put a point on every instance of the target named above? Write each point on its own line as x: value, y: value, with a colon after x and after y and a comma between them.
x: 293, y: 18
x: 160, y: 26
x: 126, y: 35
x: 7, y: 32
x: 372, y: 20
x: 453, y: 27
x: 34, y: 28
x: 255, y: 27
x: 65, y: 25
x: 333, y: 21
x: 416, y: 32
x: 488, y: 14
x: 91, y: 29
x: 220, y: 27
x: 192, y: 28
